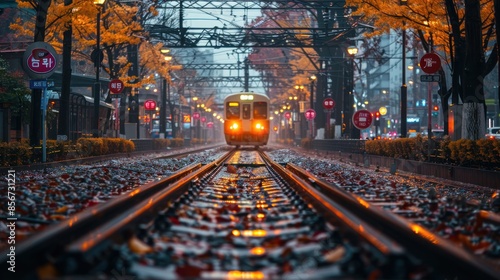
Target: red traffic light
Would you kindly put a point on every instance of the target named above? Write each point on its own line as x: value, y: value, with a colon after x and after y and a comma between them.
x: 436, y: 108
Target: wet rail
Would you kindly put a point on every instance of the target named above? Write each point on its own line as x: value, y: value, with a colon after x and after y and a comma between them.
x: 242, y: 217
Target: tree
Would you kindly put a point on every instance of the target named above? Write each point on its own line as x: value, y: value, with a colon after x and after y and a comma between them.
x: 284, y: 67
x: 461, y: 32
x: 14, y: 92
x: 122, y: 26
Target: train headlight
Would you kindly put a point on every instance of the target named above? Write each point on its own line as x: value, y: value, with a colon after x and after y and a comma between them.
x: 234, y: 126
x: 259, y: 126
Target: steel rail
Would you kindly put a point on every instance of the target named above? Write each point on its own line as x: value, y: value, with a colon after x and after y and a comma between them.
x: 447, y: 258
x: 45, y: 247
x: 85, y: 248
x: 395, y: 255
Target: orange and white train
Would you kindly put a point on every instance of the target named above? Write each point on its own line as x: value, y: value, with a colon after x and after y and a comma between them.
x: 246, y: 119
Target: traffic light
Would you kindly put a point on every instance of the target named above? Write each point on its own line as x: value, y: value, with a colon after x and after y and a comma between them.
x: 377, y: 119
x: 435, y: 111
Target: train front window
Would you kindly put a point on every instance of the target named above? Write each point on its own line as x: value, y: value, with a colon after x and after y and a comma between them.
x: 246, y: 111
x: 232, y: 110
x: 260, y: 110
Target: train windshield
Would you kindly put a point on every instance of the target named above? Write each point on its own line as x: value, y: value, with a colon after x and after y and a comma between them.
x: 246, y: 111
x: 260, y: 110
x: 233, y: 110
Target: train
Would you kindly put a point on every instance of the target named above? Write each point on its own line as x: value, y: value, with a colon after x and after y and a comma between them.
x: 246, y: 119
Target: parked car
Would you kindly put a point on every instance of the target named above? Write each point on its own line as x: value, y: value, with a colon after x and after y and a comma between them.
x: 438, y: 133
x: 493, y: 132
x: 412, y: 134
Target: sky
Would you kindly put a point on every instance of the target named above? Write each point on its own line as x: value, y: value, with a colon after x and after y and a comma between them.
x: 219, y: 18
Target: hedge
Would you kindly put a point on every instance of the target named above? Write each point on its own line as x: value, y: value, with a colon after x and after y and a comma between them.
x: 482, y: 152
x: 21, y: 153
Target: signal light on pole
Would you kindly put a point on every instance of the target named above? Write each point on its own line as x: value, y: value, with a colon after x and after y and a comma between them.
x: 436, y: 108
x: 377, y: 119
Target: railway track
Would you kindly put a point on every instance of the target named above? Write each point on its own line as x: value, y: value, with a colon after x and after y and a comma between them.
x: 241, y: 217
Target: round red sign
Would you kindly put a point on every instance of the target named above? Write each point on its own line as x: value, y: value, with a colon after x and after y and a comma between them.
x: 196, y: 115
x: 362, y: 119
x: 287, y: 115
x: 150, y: 104
x: 116, y: 86
x: 430, y: 63
x: 39, y: 60
x: 328, y: 103
x: 310, y: 114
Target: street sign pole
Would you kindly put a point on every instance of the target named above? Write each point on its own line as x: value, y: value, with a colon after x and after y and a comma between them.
x: 328, y: 105
x: 39, y: 62
x: 430, y: 63
x: 310, y: 115
x: 327, y: 124
x: 42, y: 84
x: 44, y: 122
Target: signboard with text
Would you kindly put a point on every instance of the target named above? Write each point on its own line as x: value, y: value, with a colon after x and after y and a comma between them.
x: 430, y: 63
x: 328, y: 103
x: 39, y: 60
x: 287, y: 115
x: 310, y: 114
x: 150, y: 105
x: 362, y: 119
x: 116, y: 86
x: 430, y: 78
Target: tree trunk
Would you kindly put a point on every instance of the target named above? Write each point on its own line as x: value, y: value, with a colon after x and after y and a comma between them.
x: 36, y: 94
x: 474, y: 117
x: 63, y: 123
x: 473, y: 120
x: 497, y: 29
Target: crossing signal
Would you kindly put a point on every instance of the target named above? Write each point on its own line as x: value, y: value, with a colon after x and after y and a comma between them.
x: 436, y: 108
x: 377, y: 119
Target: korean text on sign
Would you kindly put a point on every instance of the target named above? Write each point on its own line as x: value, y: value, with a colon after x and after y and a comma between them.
x: 42, y: 65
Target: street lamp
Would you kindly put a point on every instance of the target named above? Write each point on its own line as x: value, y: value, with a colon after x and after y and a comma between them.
x: 163, y: 107
x: 354, y: 132
x: 197, y: 119
x: 97, y: 63
x: 311, y: 98
x: 311, y: 105
x: 404, y: 94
